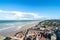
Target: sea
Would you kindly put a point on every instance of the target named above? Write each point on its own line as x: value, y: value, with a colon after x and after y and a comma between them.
x: 13, y: 23
x: 5, y: 24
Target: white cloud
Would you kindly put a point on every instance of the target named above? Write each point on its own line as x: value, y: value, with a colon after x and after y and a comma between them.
x: 15, y: 15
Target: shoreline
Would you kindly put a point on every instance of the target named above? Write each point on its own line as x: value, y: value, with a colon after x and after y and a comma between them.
x: 9, y: 31
x: 14, y: 26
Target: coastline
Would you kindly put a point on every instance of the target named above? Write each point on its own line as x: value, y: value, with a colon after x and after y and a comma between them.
x: 11, y: 31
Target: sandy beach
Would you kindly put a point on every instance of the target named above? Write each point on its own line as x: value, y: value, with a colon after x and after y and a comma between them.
x: 11, y: 31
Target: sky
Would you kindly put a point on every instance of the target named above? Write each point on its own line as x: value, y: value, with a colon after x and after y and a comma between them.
x: 29, y: 9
